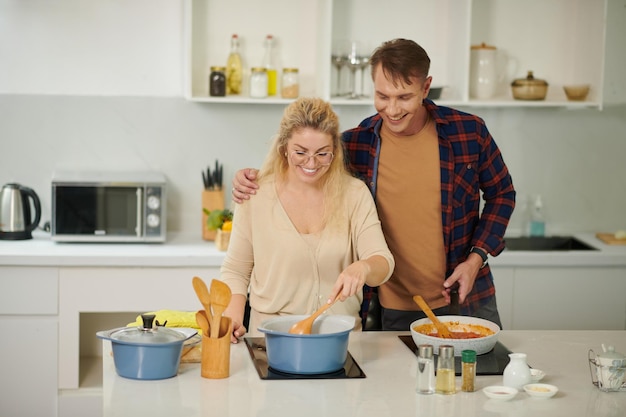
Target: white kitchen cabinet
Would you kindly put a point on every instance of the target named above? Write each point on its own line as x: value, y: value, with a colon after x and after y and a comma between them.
x: 28, y: 325
x: 85, y: 292
x: 562, y: 41
x: 503, y: 278
x: 569, y: 298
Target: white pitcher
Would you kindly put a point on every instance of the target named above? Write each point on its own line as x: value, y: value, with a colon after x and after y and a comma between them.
x: 483, y: 71
x: 517, y: 373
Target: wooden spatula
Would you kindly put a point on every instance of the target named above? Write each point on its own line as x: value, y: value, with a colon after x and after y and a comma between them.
x: 220, y: 295
x: 203, y: 295
x: 305, y: 326
x: 441, y: 328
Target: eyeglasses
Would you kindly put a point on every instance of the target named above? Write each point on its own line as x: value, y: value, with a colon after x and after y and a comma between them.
x: 302, y: 158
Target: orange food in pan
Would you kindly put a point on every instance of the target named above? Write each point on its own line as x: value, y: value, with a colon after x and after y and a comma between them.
x: 458, y: 330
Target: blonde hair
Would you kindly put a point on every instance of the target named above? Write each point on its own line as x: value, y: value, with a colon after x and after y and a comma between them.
x: 317, y: 114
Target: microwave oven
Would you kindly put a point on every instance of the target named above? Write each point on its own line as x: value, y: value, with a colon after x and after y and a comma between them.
x: 108, y: 207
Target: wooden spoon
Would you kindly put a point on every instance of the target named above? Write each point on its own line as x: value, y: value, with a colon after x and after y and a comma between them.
x: 441, y: 328
x: 203, y: 322
x: 305, y: 326
x: 203, y: 295
x: 220, y: 298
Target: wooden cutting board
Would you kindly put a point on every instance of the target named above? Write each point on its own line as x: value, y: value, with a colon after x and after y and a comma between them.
x: 609, y: 239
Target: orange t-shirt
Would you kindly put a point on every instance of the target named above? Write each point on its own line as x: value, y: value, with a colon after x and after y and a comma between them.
x: 409, y: 192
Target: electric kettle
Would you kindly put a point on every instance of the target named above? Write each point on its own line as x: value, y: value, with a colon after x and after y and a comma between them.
x: 16, y: 221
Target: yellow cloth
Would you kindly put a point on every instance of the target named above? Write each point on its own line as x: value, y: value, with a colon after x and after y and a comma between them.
x: 174, y: 318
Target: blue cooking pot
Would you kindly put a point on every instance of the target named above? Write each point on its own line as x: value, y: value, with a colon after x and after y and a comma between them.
x: 324, y: 350
x: 145, y: 352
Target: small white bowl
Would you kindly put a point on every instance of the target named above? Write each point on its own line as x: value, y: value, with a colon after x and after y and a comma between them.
x: 500, y: 392
x: 536, y: 375
x: 540, y: 390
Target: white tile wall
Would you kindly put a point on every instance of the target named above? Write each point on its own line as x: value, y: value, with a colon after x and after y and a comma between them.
x: 574, y: 158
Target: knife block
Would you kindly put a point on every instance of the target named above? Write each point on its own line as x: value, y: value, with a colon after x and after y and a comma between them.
x: 211, y: 200
x: 215, y: 362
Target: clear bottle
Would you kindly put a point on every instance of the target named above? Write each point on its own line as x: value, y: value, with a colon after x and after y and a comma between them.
x: 268, y: 63
x: 537, y: 219
x: 468, y: 370
x: 258, y: 82
x: 444, y: 382
x: 234, y: 68
x: 425, y: 378
x: 290, y: 84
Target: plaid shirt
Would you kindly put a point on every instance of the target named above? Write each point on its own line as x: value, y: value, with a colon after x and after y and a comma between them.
x: 470, y: 161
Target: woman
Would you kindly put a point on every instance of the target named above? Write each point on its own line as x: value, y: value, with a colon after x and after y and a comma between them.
x: 310, y: 234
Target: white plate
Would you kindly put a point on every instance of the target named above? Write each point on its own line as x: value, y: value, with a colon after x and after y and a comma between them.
x: 540, y: 390
x: 536, y: 375
x: 500, y: 392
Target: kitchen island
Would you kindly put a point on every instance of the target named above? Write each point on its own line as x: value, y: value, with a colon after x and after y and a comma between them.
x: 388, y: 389
x: 83, y: 288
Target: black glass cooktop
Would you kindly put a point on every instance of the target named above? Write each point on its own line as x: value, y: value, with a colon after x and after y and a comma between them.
x: 490, y: 363
x: 256, y: 347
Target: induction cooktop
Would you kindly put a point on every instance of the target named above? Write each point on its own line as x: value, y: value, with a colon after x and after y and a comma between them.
x: 490, y: 363
x: 256, y: 348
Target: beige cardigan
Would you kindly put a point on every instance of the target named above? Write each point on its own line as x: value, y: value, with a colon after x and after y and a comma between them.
x: 283, y: 274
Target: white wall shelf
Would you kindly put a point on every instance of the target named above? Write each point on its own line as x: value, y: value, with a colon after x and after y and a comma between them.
x: 562, y: 41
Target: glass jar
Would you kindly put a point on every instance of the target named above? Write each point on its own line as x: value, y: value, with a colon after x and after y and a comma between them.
x: 258, y: 82
x: 290, y: 84
x: 217, y: 82
x: 444, y: 382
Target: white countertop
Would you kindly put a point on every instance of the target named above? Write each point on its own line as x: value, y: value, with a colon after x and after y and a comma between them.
x: 387, y: 390
x: 191, y: 250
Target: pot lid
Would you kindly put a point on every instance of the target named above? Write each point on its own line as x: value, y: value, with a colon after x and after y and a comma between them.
x: 530, y: 80
x: 483, y: 45
x: 146, y: 334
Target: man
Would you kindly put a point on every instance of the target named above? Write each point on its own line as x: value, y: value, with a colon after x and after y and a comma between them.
x: 426, y: 167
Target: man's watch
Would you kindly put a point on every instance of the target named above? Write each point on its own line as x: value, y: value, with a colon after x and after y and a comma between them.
x: 480, y: 253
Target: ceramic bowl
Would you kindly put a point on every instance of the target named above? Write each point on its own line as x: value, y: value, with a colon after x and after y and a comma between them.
x: 536, y: 375
x: 459, y: 324
x: 540, y: 390
x: 500, y: 392
x: 576, y: 92
x: 435, y: 93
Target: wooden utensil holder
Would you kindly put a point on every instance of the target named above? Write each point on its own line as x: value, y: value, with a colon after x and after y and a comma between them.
x: 222, y: 239
x: 215, y: 362
x: 211, y: 200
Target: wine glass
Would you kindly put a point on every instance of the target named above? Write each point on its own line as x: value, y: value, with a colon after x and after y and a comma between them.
x: 339, y: 58
x: 365, y: 62
x: 357, y: 60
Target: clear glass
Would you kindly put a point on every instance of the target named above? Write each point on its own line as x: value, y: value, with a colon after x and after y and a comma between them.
x: 302, y: 158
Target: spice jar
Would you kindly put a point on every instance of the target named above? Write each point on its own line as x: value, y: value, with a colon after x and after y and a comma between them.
x: 444, y: 382
x: 290, y: 83
x: 258, y: 82
x: 425, y: 379
x: 217, y: 82
x: 468, y: 370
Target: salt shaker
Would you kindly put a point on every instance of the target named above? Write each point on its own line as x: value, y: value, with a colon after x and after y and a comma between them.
x: 425, y: 380
x: 444, y: 382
